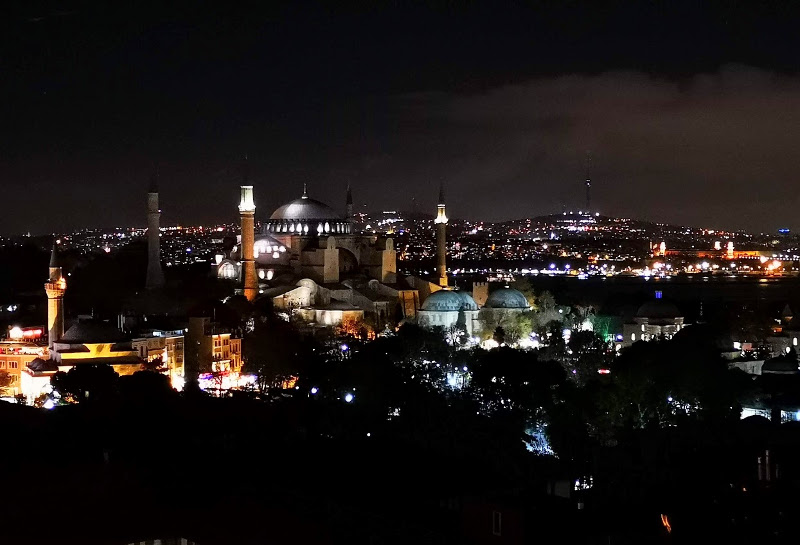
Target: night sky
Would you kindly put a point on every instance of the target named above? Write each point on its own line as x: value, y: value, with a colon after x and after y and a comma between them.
x: 691, y: 110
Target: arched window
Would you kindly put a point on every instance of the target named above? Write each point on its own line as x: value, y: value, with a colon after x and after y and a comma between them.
x: 227, y: 270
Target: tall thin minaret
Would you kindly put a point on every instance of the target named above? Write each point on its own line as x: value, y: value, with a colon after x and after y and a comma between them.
x: 588, y: 182
x: 441, y: 239
x: 55, y: 287
x: 247, y: 213
x: 349, y: 204
x: 155, y: 274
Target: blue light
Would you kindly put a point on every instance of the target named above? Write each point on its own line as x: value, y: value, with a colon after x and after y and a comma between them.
x: 349, y: 398
x: 314, y: 390
x: 659, y: 294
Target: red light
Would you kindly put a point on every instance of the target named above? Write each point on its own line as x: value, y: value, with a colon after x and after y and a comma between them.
x: 604, y: 371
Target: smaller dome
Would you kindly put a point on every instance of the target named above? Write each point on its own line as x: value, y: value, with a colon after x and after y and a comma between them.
x: 781, y: 365
x: 507, y: 298
x: 658, y: 310
x: 449, y: 301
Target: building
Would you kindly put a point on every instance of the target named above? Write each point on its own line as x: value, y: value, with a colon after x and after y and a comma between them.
x: 15, y: 356
x: 212, y: 355
x: 449, y: 308
x: 654, y: 320
x: 311, y: 264
x: 96, y: 343
x: 164, y: 347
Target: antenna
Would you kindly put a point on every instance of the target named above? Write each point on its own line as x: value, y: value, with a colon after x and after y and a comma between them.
x: 588, y: 182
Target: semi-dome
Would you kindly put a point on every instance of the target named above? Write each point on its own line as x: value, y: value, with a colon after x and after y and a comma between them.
x: 449, y: 301
x: 507, y: 298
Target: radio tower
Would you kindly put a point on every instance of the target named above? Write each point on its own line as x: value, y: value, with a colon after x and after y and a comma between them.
x: 588, y: 182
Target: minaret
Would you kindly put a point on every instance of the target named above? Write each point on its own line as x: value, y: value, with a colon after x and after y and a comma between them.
x: 155, y: 275
x: 349, y: 204
x: 247, y: 212
x: 55, y: 288
x: 441, y: 239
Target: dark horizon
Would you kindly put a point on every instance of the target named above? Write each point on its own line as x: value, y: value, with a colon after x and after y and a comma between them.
x: 689, y: 111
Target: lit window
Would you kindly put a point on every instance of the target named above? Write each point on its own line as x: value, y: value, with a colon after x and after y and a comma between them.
x: 633, y: 336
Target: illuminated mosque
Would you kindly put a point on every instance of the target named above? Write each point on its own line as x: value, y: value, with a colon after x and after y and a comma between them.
x: 311, y: 264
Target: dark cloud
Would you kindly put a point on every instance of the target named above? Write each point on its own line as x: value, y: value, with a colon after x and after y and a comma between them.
x: 714, y: 149
x: 395, y: 100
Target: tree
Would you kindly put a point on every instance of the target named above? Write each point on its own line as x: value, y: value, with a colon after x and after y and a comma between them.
x: 545, y: 302
x: 7, y: 381
x: 146, y: 386
x: 275, y: 351
x: 455, y: 335
x: 489, y: 321
x: 86, y: 383
x: 589, y: 353
x: 518, y: 326
x: 525, y: 287
x: 499, y: 335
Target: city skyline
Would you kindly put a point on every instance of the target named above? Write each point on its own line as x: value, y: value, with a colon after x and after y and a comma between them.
x: 691, y: 126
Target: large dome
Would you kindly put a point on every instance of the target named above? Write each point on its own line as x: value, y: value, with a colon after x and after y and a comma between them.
x: 507, y: 298
x: 449, y: 301
x: 305, y: 208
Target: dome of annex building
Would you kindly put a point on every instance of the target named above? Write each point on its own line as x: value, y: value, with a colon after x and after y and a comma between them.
x: 658, y: 309
x: 449, y: 301
x: 507, y: 298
